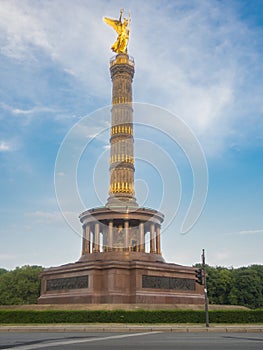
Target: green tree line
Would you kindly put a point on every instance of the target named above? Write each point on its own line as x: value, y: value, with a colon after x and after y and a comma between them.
x: 228, y: 286
x: 236, y: 286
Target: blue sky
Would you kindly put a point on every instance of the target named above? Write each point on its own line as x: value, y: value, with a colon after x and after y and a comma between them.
x: 199, y: 60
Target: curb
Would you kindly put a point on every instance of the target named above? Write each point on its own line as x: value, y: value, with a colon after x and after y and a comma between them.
x: 133, y: 328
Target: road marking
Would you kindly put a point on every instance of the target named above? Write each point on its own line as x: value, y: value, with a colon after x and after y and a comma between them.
x: 69, y: 342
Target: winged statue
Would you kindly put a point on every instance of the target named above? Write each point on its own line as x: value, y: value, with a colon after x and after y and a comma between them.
x: 123, y: 31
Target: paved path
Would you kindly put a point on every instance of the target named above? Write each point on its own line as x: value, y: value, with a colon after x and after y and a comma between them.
x: 153, y: 340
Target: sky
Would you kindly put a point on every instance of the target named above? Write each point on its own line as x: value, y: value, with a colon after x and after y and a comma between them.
x: 198, y: 125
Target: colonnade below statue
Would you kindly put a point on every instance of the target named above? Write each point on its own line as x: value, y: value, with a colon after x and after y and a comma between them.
x: 99, y: 237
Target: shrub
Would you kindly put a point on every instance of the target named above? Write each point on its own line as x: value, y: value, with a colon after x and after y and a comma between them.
x: 138, y: 316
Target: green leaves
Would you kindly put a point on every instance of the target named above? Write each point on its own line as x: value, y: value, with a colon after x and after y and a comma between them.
x: 20, y: 286
x: 124, y: 316
x: 241, y: 286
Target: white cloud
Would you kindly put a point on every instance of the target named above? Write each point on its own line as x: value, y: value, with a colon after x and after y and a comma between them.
x: 251, y: 232
x: 26, y: 112
x: 5, y: 146
x: 71, y: 34
x: 47, y: 217
x: 199, y: 68
x: 7, y: 257
x: 22, y: 30
x: 91, y: 128
x: 246, y: 232
x: 31, y: 111
x: 197, y: 59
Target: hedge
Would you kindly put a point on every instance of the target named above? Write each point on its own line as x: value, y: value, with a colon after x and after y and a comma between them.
x: 138, y: 316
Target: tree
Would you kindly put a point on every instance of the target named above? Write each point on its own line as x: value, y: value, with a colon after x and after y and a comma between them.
x: 20, y: 286
x: 2, y: 271
x: 249, y: 283
x: 240, y: 286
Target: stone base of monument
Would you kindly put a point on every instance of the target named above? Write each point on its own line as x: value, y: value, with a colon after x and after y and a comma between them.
x: 121, y: 278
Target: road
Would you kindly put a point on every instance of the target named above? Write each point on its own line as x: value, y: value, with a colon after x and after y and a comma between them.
x: 127, y: 341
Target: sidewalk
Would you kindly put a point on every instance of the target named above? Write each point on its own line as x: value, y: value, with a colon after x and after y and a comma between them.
x: 133, y: 328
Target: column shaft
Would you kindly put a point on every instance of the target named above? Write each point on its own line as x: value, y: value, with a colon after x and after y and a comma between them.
x: 158, y: 239
x: 87, y: 239
x: 152, y: 238
x: 97, y: 238
x: 83, y: 240
x: 142, y: 239
x: 105, y: 238
x: 92, y: 241
x: 126, y: 232
x: 110, y: 238
x: 121, y: 141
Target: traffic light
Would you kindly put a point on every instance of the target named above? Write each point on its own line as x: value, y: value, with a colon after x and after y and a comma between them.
x: 199, y: 276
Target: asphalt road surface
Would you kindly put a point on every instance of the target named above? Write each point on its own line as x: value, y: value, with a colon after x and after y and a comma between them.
x: 127, y: 341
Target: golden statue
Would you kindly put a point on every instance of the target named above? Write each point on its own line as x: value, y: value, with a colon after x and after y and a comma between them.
x: 123, y: 31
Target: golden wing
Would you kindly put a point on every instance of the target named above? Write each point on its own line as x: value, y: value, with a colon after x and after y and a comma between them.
x: 114, y: 23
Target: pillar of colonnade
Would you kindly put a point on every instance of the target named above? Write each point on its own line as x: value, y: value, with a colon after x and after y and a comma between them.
x: 92, y: 237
